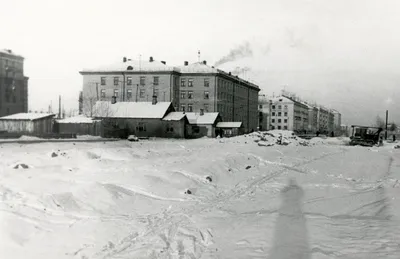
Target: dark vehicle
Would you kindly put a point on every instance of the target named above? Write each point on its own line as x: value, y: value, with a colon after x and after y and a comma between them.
x: 365, y: 136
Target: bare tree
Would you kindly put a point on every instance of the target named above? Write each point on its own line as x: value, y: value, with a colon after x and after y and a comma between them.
x: 379, y: 122
x: 393, y: 126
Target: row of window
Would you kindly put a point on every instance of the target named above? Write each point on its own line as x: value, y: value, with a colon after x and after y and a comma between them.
x: 156, y: 80
x: 142, y: 93
x: 190, y: 107
x: 190, y: 95
x: 280, y: 114
x: 279, y: 127
x: 279, y: 107
x: 279, y: 120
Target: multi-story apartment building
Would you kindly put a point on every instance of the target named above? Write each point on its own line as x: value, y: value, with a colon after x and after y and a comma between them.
x: 13, y: 84
x: 190, y: 88
x: 337, y: 121
x: 312, y: 118
x: 288, y: 114
x: 264, y: 106
x: 323, y: 120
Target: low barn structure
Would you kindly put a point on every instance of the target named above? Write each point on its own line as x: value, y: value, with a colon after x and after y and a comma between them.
x: 143, y: 119
x: 79, y: 125
x: 202, y: 124
x: 175, y: 124
x: 27, y: 123
x: 230, y: 129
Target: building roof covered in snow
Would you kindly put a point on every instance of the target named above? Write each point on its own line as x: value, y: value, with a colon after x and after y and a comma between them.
x: 77, y: 119
x: 206, y: 118
x: 132, y: 66
x: 198, y: 67
x: 144, y: 110
x: 229, y: 124
x: 10, y: 52
x: 27, y: 116
x: 174, y: 116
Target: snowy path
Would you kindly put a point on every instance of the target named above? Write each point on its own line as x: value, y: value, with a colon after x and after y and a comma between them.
x: 126, y: 200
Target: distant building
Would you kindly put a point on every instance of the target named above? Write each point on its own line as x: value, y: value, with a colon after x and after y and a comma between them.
x: 13, y: 84
x: 312, y: 126
x: 288, y: 114
x: 337, y: 121
x: 202, y: 124
x: 190, y: 88
x: 323, y: 120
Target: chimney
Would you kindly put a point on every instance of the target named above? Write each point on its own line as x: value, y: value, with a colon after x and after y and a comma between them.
x: 113, y: 100
x: 201, y: 112
x: 124, y: 59
x: 186, y: 63
x: 151, y: 59
x: 154, y: 102
x: 230, y: 73
x: 205, y: 62
x: 164, y: 62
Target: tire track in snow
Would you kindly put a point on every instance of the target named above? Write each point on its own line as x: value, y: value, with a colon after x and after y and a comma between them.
x: 166, y: 217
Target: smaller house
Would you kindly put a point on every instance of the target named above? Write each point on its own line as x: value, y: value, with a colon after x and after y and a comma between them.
x: 79, y: 125
x: 175, y: 124
x: 202, y: 124
x: 230, y: 129
x: 143, y: 119
x: 27, y: 123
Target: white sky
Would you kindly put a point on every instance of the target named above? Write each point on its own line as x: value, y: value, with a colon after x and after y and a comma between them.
x: 342, y: 54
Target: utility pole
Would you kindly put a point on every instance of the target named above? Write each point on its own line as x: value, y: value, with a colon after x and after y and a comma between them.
x: 59, y: 106
x: 387, y: 116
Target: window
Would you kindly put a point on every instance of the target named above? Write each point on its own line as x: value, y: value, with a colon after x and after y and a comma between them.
x: 260, y: 106
x: 285, y: 127
x: 14, y: 98
x: 279, y: 120
x: 206, y: 95
x: 190, y: 94
x: 129, y: 94
x: 170, y: 128
x: 102, y: 80
x: 285, y: 120
x: 273, y: 127
x: 280, y: 100
x: 142, y: 93
x: 273, y: 120
x: 155, y: 92
x: 285, y: 113
x: 129, y: 80
x: 285, y: 106
x: 103, y: 93
x: 190, y: 107
x: 116, y: 80
x: 183, y: 107
x: 183, y: 94
x: 116, y: 92
x: 206, y: 82
x: 279, y: 127
x: 183, y: 82
x: 273, y: 106
x: 279, y: 114
x: 190, y: 82
x: 279, y: 107
x: 155, y: 80
x: 142, y: 80
x: 206, y: 107
x: 141, y: 126
x: 273, y: 113
x: 196, y: 129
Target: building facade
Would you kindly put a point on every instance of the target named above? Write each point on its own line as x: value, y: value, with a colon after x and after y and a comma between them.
x: 191, y: 88
x: 288, y: 114
x: 312, y: 118
x: 13, y: 84
x: 337, y: 121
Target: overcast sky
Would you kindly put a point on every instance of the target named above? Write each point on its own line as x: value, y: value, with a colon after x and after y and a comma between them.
x: 342, y: 54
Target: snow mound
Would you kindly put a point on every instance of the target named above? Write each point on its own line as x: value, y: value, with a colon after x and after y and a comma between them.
x: 29, y: 138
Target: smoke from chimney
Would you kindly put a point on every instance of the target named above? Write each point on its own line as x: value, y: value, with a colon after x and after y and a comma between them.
x: 241, y: 51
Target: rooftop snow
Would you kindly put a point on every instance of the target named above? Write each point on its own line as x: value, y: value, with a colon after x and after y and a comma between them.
x: 26, y: 116
x: 77, y: 119
x: 207, y: 118
x: 198, y: 68
x: 227, y: 124
x: 134, y: 65
x: 174, y: 116
x: 9, y: 52
x: 104, y: 109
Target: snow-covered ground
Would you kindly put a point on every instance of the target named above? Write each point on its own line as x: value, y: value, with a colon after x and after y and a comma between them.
x: 127, y: 199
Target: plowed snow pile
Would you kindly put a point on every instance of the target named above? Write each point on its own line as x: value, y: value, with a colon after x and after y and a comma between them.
x: 204, y: 198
